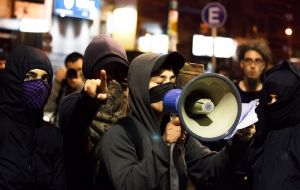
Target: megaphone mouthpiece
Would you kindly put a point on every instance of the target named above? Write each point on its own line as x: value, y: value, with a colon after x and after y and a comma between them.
x: 201, y: 106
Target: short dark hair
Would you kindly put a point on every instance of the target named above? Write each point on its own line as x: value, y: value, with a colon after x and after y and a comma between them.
x: 258, y: 45
x: 72, y: 57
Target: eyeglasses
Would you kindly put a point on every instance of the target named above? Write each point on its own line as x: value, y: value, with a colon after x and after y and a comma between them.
x: 249, y: 61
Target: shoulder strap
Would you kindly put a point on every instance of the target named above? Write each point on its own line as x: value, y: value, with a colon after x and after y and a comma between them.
x: 133, y: 134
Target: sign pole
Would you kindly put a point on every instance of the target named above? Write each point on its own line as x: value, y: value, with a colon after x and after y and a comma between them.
x: 214, y: 14
x: 214, y: 33
x: 172, y: 25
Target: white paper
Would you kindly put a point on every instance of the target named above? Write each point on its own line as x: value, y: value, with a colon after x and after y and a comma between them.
x: 248, y: 116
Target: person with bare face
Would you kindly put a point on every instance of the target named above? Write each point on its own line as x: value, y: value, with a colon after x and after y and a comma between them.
x: 253, y: 58
x: 68, y: 79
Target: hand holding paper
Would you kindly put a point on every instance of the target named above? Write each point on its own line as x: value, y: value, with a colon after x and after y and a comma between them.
x: 248, y: 117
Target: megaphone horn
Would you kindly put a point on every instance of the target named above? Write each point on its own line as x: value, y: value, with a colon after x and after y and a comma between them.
x: 209, y: 106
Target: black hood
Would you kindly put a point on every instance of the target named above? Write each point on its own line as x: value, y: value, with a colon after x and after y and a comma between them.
x: 139, y: 75
x: 21, y: 60
x: 101, y: 51
x: 284, y: 81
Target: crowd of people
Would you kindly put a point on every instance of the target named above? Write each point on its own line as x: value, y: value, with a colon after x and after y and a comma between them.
x: 100, y: 124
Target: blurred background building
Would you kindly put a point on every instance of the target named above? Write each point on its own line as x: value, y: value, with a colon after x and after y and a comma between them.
x: 62, y: 26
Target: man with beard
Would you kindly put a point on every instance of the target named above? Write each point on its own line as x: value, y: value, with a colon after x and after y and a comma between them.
x: 254, y: 57
x: 86, y: 115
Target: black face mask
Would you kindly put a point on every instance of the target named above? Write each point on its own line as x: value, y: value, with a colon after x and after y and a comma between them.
x: 157, y: 93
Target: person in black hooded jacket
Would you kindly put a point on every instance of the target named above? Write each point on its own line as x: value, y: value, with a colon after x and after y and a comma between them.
x: 31, y: 152
x: 277, y: 167
x: 150, y: 76
x: 85, y: 116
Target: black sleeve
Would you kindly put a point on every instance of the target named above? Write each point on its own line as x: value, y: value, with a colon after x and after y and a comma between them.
x: 59, y: 178
x: 77, y: 110
x: 76, y: 113
x: 206, y: 165
x: 49, y: 155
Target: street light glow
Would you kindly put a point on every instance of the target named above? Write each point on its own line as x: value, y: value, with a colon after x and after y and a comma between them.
x: 288, y: 31
x: 124, y: 26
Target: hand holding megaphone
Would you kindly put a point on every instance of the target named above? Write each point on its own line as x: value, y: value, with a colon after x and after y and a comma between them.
x: 174, y: 133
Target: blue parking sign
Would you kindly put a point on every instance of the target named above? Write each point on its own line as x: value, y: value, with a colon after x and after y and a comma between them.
x: 214, y: 14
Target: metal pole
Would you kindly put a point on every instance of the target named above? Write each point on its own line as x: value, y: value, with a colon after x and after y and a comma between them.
x: 172, y: 25
x: 214, y: 32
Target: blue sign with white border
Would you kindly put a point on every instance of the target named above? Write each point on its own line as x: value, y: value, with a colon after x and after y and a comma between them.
x: 214, y: 14
x: 86, y: 9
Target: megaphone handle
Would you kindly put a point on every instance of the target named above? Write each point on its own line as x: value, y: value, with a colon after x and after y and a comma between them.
x: 174, y: 178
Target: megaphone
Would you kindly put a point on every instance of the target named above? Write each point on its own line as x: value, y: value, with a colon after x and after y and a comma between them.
x: 209, y: 106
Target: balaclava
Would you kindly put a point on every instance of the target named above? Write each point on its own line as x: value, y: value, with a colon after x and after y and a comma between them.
x: 16, y: 97
x: 284, y: 81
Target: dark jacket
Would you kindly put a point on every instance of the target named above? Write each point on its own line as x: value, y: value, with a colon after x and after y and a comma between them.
x: 78, y: 111
x: 123, y: 169
x: 31, y: 152
x: 277, y: 165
